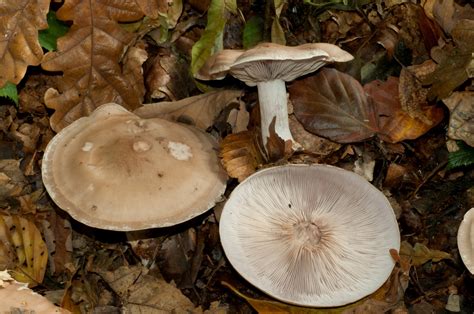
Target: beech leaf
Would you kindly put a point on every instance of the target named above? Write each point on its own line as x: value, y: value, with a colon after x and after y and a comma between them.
x: 89, y: 57
x: 396, y: 124
x: 20, y: 21
x: 333, y: 105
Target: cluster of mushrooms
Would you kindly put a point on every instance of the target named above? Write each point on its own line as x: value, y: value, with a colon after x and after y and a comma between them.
x: 311, y: 235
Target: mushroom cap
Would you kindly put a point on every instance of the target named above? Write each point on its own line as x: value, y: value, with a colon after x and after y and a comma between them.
x: 269, y: 61
x: 18, y: 298
x: 311, y: 235
x: 466, y: 240
x: 113, y: 170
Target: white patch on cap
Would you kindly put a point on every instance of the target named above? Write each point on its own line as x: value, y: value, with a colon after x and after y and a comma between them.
x: 87, y: 146
x: 180, y: 151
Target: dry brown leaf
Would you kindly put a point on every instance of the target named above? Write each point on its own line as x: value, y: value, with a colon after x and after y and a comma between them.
x: 420, y: 254
x: 447, y: 13
x: 12, y: 180
x: 332, y: 104
x: 22, y: 249
x: 20, y: 21
x: 142, y: 293
x: 89, y: 57
x: 461, y: 119
x: 395, y: 124
x: 240, y: 154
x: 200, y: 110
x: 239, y: 118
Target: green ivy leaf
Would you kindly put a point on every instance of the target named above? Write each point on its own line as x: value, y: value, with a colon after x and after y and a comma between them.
x: 9, y: 91
x: 461, y: 158
x: 56, y: 29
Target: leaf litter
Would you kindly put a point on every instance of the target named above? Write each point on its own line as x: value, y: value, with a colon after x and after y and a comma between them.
x: 387, y: 114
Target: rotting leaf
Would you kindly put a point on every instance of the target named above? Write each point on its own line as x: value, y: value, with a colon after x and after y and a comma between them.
x: 142, y: 293
x: 395, y: 124
x: 19, y: 46
x: 412, y: 96
x: 333, y: 105
x: 200, y: 110
x: 421, y: 254
x: 89, y: 57
x: 240, y: 154
x: 22, y: 249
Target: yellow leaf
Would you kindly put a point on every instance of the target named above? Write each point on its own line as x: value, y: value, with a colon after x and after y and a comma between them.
x: 25, y: 251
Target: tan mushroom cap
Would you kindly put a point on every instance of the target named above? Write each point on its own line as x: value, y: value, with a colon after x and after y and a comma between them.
x: 269, y: 61
x: 114, y: 170
x: 310, y: 235
x: 466, y: 240
x: 16, y: 297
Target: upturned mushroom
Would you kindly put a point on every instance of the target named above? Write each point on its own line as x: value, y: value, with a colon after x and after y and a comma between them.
x: 311, y: 235
x: 114, y: 170
x: 466, y: 240
x: 268, y: 66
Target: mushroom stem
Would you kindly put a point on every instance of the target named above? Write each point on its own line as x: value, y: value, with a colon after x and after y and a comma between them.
x: 273, y: 104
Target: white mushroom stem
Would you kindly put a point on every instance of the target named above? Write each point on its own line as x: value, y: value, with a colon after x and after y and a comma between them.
x: 273, y: 103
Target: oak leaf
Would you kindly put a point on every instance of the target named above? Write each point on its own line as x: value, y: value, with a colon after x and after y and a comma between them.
x: 90, y: 57
x: 20, y: 21
x: 333, y: 105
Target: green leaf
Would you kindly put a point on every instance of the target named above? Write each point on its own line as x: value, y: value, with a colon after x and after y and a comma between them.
x: 9, y: 91
x: 253, y: 32
x: 56, y: 29
x: 211, y: 40
x: 461, y: 158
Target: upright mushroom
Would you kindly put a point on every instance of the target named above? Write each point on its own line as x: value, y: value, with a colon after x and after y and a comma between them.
x: 268, y: 66
x: 114, y: 170
x: 310, y: 235
x: 466, y: 240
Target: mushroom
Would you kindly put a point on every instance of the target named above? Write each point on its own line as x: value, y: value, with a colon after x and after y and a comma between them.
x: 269, y: 66
x: 18, y: 298
x: 310, y: 235
x: 466, y: 240
x: 114, y: 170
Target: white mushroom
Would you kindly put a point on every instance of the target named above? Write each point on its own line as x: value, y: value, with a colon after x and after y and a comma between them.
x: 114, y: 170
x: 466, y: 240
x: 268, y: 66
x: 310, y: 235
